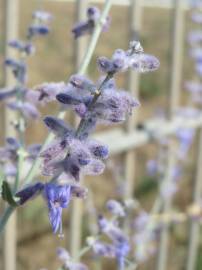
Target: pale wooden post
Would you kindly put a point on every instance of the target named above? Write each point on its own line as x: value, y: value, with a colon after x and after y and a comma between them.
x: 77, y: 204
x: 135, y: 16
x: 194, y: 234
x: 174, y: 96
x: 10, y: 236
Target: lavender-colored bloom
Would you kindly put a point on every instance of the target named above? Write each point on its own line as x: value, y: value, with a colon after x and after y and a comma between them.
x: 195, y: 37
x: 122, y: 251
x: 57, y: 198
x: 114, y: 106
x: 105, y: 65
x: 7, y: 93
x: 58, y: 127
x: 196, y: 53
x: 93, y: 13
x: 48, y: 91
x: 197, y: 17
x: 87, y: 27
x: 103, y: 249
x: 97, y: 149
x: 193, y: 87
x: 21, y: 46
x: 112, y: 231
x: 71, y: 157
x: 26, y: 108
x: 199, y: 67
x: 185, y: 137
x: 141, y: 221
x: 29, y: 192
x: 144, y: 63
x: 78, y: 191
x: 115, y: 208
x: 10, y: 170
x: 69, y: 99
x: 152, y: 167
x: 37, y: 30
x: 18, y: 69
x: 42, y: 16
x: 64, y: 256
x: 81, y: 82
x: 133, y: 58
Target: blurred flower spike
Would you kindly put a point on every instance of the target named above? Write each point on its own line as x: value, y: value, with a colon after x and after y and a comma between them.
x: 87, y: 27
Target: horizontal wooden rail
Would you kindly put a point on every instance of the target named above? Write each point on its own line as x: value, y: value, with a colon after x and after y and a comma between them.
x: 155, y: 129
x: 145, y: 3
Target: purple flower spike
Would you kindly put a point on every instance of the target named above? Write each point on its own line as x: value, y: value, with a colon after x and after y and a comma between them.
x: 87, y: 27
x: 57, y: 197
x: 29, y: 192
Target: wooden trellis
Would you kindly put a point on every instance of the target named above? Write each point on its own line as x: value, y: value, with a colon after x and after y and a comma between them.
x: 129, y: 138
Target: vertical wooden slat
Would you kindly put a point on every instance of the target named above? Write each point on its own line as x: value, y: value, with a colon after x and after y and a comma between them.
x: 77, y: 204
x: 135, y: 15
x: 174, y: 96
x: 194, y: 234
x: 10, y: 235
x: 195, y: 227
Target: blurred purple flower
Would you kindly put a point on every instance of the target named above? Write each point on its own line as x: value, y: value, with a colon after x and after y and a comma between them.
x: 21, y: 46
x: 115, y: 208
x: 42, y: 16
x: 67, y: 261
x: 87, y: 27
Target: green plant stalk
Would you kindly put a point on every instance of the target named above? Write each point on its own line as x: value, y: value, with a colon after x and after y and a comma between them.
x: 61, y: 115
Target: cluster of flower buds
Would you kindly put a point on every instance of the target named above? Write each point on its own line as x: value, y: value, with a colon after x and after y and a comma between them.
x: 134, y: 58
x: 40, y: 25
x: 87, y: 27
